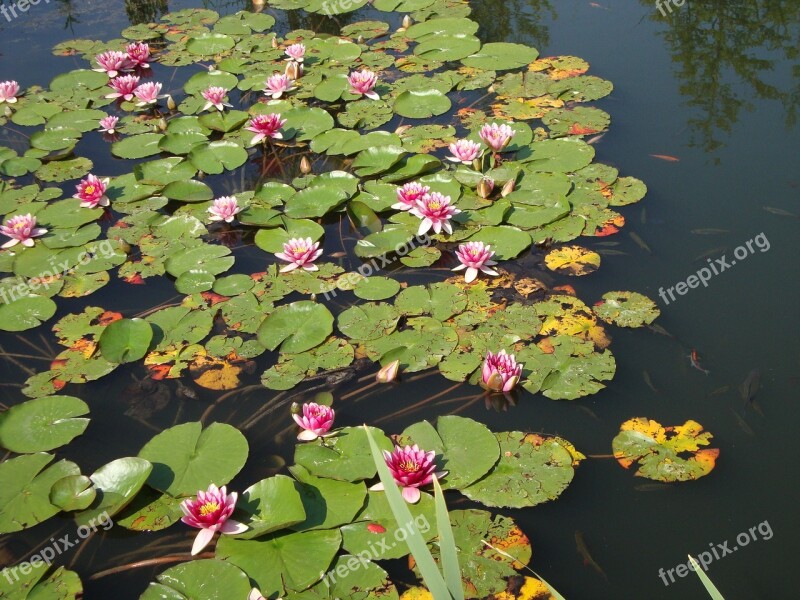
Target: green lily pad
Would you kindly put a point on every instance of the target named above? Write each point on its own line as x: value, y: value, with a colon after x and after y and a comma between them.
x: 344, y: 457
x: 126, y: 340
x: 296, y: 327
x: 116, y: 483
x: 626, y: 309
x: 199, y: 580
x: 327, y: 503
x: 150, y: 511
x: 42, y: 424
x: 271, y: 504
x: 75, y: 492
x: 210, y: 44
x: 531, y: 470
x: 187, y: 458
x: 137, y: 146
x: 26, y: 313
x: 376, y: 288
x: 501, y: 56
x: 419, y: 104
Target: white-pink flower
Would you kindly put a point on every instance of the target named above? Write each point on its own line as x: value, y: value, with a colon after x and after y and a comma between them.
x: 107, y: 124
x: 224, y: 209
x: 363, y: 83
x: 435, y: 211
x: 500, y: 372
x: 123, y: 87
x: 277, y: 85
x: 147, y: 93
x: 210, y: 512
x: 296, y: 52
x: 21, y: 229
x: 300, y: 253
x: 474, y: 257
x: 139, y: 54
x: 464, y: 151
x: 9, y: 91
x: 315, y: 419
x: 112, y: 62
x: 215, y: 96
x: 408, y: 195
x: 92, y: 192
x: 265, y: 126
x: 497, y: 137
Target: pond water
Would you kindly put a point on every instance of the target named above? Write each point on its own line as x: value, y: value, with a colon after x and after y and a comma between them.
x: 703, y: 111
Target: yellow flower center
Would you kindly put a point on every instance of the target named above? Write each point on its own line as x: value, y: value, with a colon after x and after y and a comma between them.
x: 434, y: 205
x: 89, y: 189
x: 209, y: 508
x: 18, y: 226
x: 300, y: 248
x: 409, y: 466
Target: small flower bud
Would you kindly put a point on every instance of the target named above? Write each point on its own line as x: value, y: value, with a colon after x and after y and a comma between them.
x: 305, y: 165
x: 407, y: 22
x: 171, y: 103
x: 485, y: 187
x: 388, y: 373
x: 296, y: 409
x: 509, y: 187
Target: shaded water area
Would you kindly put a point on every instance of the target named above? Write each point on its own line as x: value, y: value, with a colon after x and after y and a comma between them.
x: 715, y: 86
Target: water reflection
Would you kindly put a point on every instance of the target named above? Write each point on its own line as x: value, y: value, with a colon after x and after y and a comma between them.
x: 726, y: 55
x: 515, y: 21
x: 145, y: 11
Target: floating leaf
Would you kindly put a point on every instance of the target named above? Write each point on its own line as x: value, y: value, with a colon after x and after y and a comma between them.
x: 665, y: 453
x: 200, y: 580
x: 572, y: 260
x: 126, y: 340
x: 296, y: 327
x: 117, y: 483
x: 626, y: 309
x: 42, y: 424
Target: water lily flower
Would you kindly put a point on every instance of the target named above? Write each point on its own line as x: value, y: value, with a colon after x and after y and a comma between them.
x: 474, y: 257
x: 408, y: 195
x: 316, y: 420
x: 112, y: 62
x: 299, y: 252
x: 255, y: 594
x: 224, y: 209
x: 123, y: 87
x: 277, y: 85
x: 464, y: 151
x: 363, y: 83
x: 435, y: 211
x: 210, y: 512
x: 497, y: 137
x: 215, y: 96
x: 293, y: 70
x: 139, y: 54
x: 9, y: 91
x: 266, y: 126
x: 92, y: 192
x: 411, y: 469
x: 296, y: 52
x: 147, y: 93
x: 388, y: 373
x: 500, y: 372
x: 107, y: 124
x: 21, y: 229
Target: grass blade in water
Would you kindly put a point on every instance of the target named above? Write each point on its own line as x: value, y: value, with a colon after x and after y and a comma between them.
x: 710, y: 587
x: 447, y: 545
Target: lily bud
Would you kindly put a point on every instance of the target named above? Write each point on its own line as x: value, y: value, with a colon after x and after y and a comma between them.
x: 258, y: 5
x: 402, y: 129
x: 200, y: 175
x: 293, y: 70
x: 407, y: 22
x: 274, y: 42
x: 171, y: 103
x: 296, y: 409
x: 477, y: 164
x: 360, y: 39
x: 485, y: 187
x: 509, y: 187
x: 305, y: 165
x: 388, y: 373
x: 7, y: 111
x: 162, y: 124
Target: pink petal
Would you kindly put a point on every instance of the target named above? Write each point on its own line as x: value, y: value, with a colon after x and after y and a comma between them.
x: 411, y: 495
x: 204, y: 537
x: 471, y: 274
x: 307, y: 435
x: 232, y: 527
x: 378, y: 487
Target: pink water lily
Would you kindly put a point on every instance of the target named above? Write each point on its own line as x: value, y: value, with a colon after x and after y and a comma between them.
x: 113, y: 62
x: 139, y: 54
x: 147, y: 93
x: 265, y: 126
x: 408, y: 195
x: 255, y: 594
x: 500, y: 372
x: 210, y: 512
x: 21, y: 229
x: 92, y: 192
x: 215, y: 96
x: 411, y: 468
x: 497, y: 137
x: 315, y: 419
x: 9, y: 90
x: 296, y: 52
x: 107, y: 124
x: 123, y: 87
x: 224, y: 208
x: 300, y: 253
x: 435, y: 211
x: 464, y: 151
x: 474, y: 257
x: 277, y: 85
x: 363, y: 83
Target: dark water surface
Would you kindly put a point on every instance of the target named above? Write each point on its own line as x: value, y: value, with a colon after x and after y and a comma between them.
x: 715, y: 84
